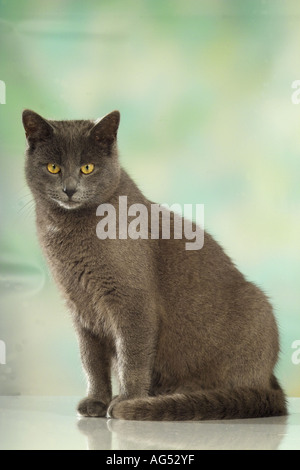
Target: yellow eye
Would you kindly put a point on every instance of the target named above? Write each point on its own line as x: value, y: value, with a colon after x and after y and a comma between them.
x: 53, y: 168
x: 87, y: 169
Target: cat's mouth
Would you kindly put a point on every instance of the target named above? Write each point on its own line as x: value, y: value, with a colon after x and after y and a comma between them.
x: 68, y: 204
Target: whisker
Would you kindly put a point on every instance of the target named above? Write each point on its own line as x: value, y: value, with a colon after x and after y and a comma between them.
x: 26, y: 210
x: 25, y: 206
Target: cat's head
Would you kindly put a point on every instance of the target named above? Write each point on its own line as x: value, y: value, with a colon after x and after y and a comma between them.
x: 72, y: 164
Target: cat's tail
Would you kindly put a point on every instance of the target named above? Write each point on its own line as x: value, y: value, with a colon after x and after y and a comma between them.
x: 204, y: 405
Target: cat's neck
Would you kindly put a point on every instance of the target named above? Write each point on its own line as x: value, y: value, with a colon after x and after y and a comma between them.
x: 127, y: 187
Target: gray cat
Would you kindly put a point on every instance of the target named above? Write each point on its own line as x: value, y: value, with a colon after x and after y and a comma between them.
x: 187, y: 335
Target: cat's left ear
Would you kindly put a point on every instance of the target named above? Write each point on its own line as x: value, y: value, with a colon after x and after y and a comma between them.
x: 106, y: 128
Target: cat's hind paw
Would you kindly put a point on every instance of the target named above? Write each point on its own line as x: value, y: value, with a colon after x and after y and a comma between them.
x: 92, y: 408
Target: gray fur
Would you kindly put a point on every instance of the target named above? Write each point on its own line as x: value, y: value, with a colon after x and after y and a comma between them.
x: 188, y: 336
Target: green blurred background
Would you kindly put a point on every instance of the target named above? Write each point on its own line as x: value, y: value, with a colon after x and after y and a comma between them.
x: 204, y: 90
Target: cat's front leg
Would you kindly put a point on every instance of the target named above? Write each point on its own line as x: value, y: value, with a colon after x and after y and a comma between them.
x: 96, y: 359
x: 135, y: 351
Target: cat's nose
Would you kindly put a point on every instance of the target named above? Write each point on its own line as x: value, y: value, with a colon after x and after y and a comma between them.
x: 69, y: 187
x: 69, y: 191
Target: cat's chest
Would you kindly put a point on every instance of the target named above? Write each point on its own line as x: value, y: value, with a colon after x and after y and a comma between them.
x: 74, y: 254
x: 81, y: 267
x: 63, y: 243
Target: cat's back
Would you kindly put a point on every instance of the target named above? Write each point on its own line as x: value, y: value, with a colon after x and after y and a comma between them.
x: 205, y: 288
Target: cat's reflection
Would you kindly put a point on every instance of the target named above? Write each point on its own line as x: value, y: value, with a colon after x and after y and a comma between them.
x: 98, y: 435
x: 261, y: 433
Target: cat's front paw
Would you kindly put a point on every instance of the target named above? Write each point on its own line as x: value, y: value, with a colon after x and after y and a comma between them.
x: 117, y: 399
x: 92, y: 408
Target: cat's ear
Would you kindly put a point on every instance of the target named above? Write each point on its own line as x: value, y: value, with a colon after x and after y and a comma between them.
x: 36, y: 127
x: 106, y: 128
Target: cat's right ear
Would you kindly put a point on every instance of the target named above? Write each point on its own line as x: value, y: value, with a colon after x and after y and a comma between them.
x: 36, y: 127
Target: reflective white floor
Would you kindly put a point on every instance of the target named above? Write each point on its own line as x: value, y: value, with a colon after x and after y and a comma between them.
x: 30, y: 422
